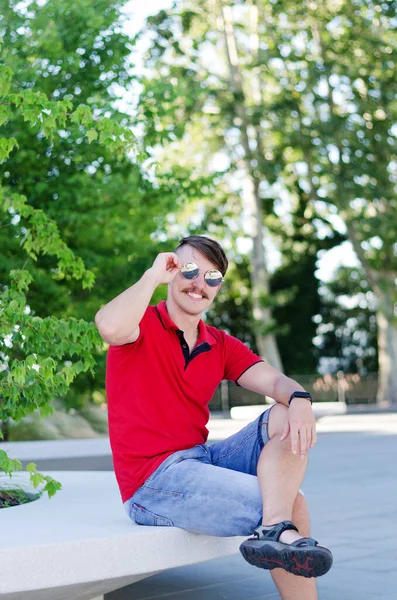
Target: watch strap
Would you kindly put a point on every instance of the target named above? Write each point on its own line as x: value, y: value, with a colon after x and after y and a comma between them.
x: 305, y: 395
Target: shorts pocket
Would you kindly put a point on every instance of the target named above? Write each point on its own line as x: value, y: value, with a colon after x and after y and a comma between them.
x: 142, y: 516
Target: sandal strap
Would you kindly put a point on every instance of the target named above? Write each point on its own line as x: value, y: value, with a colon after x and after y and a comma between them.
x: 305, y: 541
x: 273, y: 532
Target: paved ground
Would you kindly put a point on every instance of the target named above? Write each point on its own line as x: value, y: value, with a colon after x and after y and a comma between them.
x: 351, y: 487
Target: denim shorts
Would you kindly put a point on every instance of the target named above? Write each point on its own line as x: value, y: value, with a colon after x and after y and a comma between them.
x: 210, y: 489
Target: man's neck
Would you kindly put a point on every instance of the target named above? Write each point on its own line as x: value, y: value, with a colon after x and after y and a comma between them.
x: 187, y: 323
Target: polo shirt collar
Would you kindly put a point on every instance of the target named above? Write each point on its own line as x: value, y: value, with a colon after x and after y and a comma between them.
x: 204, y: 335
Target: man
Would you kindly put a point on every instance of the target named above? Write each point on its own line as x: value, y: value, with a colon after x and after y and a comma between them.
x: 164, y: 365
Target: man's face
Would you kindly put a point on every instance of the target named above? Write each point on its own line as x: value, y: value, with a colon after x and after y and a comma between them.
x: 195, y: 295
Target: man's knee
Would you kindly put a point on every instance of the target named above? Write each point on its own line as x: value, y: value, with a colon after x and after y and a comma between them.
x: 277, y: 418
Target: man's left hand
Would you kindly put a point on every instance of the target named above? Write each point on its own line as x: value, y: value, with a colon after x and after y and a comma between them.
x: 300, y: 426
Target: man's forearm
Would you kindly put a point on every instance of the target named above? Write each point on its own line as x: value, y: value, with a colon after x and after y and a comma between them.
x: 265, y: 379
x: 121, y: 316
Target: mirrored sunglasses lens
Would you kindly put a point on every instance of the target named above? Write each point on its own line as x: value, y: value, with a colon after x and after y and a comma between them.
x: 189, y: 270
x: 213, y: 277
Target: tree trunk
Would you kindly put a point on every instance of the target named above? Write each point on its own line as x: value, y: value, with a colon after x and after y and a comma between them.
x: 387, y: 351
x: 383, y: 286
x: 266, y: 342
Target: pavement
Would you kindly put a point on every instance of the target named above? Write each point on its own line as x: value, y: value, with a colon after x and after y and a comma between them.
x: 351, y: 488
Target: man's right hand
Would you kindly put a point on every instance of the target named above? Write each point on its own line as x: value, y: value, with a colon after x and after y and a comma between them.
x: 165, y: 267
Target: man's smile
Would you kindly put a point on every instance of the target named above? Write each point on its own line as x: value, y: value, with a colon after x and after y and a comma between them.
x: 195, y: 295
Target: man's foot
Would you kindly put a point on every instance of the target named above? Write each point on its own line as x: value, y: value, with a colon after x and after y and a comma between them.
x: 303, y: 557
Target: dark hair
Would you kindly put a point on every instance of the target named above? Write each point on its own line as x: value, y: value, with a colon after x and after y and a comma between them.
x: 210, y: 248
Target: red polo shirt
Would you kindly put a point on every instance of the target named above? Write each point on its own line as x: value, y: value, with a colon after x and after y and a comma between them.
x: 158, y: 393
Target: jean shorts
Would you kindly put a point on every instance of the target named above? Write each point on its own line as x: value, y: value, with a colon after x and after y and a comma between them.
x: 210, y: 489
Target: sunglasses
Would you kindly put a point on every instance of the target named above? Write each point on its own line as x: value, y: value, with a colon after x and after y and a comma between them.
x: 213, y: 277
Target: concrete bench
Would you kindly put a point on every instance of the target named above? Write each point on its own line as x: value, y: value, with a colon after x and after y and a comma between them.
x: 81, y: 545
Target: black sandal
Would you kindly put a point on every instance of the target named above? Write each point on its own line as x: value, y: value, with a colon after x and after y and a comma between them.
x: 303, y: 557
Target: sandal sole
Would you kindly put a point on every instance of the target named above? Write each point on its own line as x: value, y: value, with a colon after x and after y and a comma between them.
x: 305, y: 562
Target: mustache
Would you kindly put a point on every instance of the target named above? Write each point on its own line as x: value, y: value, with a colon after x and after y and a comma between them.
x: 196, y: 291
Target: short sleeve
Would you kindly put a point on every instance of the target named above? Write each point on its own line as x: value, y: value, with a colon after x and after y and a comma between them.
x: 238, y: 358
x: 126, y: 349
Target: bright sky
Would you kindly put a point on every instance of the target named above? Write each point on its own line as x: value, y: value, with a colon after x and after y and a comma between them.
x: 138, y: 11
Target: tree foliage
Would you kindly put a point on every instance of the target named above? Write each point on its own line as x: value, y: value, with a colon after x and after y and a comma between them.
x: 200, y: 123
x: 59, y: 129
x: 318, y: 86
x: 346, y: 337
x: 78, y: 163
x: 333, y: 66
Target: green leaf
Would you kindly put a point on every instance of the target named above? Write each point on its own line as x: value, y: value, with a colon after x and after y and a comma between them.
x: 36, y: 479
x: 92, y: 135
x: 5, y: 79
x: 9, y: 465
x: 6, y: 147
x: 52, y: 486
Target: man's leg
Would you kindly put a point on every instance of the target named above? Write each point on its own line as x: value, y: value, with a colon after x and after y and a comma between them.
x: 292, y: 587
x: 217, y: 490
x: 189, y: 492
x: 280, y: 475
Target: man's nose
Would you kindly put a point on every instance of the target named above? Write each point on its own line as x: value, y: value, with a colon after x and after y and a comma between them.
x: 199, y: 280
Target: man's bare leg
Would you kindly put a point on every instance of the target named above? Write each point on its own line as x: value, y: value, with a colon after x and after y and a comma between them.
x: 292, y: 587
x: 280, y: 475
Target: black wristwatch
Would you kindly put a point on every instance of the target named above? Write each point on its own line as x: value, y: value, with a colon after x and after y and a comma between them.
x: 300, y: 395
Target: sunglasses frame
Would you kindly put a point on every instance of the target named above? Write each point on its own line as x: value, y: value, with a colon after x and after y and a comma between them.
x: 208, y: 282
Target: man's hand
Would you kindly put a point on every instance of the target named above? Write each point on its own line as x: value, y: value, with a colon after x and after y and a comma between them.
x: 300, y: 426
x: 165, y: 267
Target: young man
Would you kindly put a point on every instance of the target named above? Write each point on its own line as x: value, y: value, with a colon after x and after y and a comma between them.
x: 164, y: 365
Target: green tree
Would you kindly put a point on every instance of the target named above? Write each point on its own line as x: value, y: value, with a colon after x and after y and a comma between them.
x: 346, y: 337
x: 205, y: 111
x: 186, y: 96
x: 295, y: 287
x: 104, y: 204
x: 42, y: 347
x: 307, y: 94
x: 335, y: 109
x: 39, y: 357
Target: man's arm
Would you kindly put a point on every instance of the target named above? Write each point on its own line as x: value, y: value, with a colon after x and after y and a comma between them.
x: 300, y: 424
x: 265, y: 379
x: 118, y: 321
